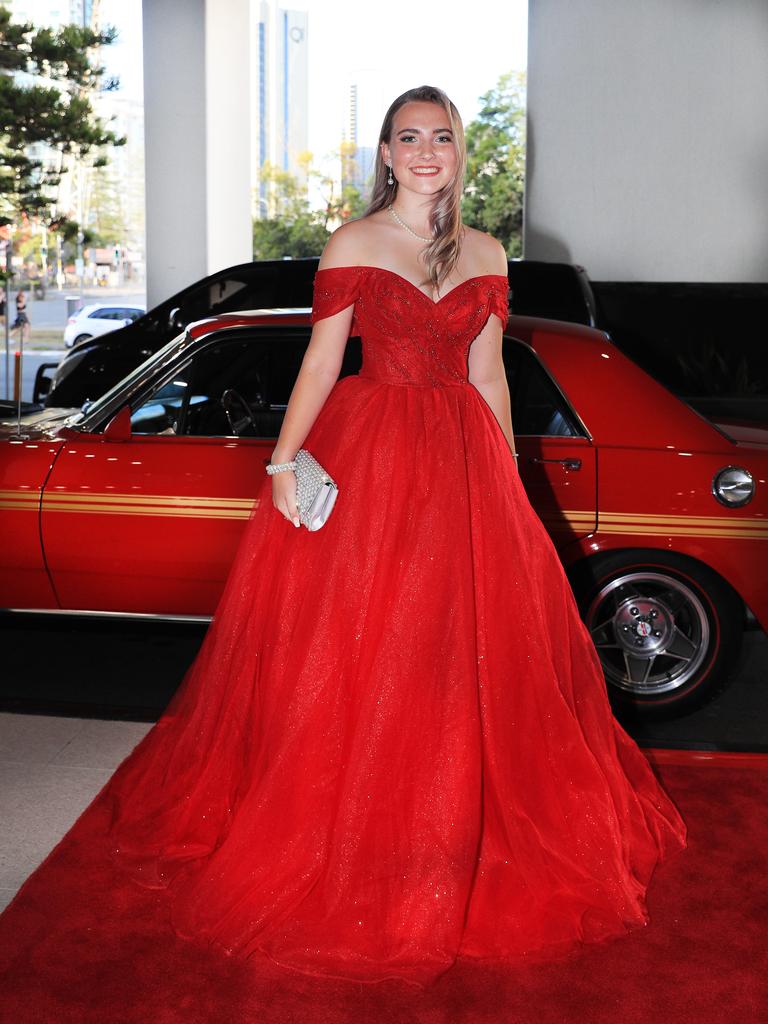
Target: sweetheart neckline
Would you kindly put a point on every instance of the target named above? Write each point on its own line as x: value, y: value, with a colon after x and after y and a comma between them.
x: 384, y: 270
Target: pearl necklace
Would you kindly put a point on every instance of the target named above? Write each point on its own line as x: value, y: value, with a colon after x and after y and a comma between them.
x: 404, y: 225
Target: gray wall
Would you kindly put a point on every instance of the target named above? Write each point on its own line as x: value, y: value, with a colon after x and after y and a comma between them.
x: 648, y: 138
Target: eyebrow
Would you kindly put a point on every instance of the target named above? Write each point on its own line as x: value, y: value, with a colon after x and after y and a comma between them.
x: 435, y: 131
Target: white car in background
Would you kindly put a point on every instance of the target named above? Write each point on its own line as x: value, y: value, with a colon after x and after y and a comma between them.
x: 99, y: 318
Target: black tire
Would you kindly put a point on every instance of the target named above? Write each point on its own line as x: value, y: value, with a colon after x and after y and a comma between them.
x: 667, y: 629
x: 82, y: 337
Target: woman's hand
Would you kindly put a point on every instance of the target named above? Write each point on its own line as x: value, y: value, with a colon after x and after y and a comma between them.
x: 284, y: 495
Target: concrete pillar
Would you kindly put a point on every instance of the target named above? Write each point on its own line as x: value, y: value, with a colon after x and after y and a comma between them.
x: 648, y: 154
x: 197, y: 120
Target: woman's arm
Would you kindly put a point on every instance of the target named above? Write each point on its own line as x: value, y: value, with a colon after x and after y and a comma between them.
x: 319, y: 371
x: 317, y: 375
x: 486, y: 365
x: 486, y: 373
x: 322, y: 360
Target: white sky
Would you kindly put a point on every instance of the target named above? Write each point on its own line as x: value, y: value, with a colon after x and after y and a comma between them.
x: 124, y: 57
x: 388, y: 46
x: 393, y: 45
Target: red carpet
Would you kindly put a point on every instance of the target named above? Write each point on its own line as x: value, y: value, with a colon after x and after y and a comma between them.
x: 76, y: 950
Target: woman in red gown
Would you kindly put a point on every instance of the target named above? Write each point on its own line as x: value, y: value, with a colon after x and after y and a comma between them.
x: 395, y: 746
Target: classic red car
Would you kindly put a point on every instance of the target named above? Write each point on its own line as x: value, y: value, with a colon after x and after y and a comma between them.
x: 661, y: 518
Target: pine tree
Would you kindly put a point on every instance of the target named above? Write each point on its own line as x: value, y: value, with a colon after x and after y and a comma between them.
x: 52, y: 106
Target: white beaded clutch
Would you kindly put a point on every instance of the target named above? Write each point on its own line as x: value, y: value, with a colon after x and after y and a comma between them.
x: 315, y: 491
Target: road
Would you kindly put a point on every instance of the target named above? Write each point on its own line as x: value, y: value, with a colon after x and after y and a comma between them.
x: 29, y: 364
x: 51, y: 312
x: 48, y: 318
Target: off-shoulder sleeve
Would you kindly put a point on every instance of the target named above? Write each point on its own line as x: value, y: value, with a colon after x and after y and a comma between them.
x: 335, y: 288
x: 499, y: 299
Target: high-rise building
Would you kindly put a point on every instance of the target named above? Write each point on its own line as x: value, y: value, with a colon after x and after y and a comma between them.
x: 85, y: 13
x: 358, y: 161
x: 53, y: 13
x: 279, y: 94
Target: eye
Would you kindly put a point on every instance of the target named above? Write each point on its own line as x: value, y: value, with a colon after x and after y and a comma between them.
x: 444, y: 138
x: 407, y: 138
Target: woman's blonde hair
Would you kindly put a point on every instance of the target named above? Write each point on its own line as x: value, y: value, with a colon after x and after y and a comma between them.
x: 442, y: 253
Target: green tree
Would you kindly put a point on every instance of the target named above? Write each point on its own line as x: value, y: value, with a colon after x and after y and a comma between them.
x: 291, y: 227
x: 106, y: 217
x: 54, y: 109
x: 275, y: 239
x: 345, y: 206
x: 493, y: 197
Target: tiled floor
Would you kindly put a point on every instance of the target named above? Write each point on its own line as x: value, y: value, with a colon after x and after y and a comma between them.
x: 50, y: 770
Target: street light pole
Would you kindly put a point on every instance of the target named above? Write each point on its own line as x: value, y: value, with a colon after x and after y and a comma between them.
x: 79, y: 261
x: 8, y: 264
x: 44, y: 256
x: 59, y: 264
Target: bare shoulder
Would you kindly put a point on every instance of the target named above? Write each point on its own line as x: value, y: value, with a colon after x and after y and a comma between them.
x: 484, y: 253
x: 348, y: 245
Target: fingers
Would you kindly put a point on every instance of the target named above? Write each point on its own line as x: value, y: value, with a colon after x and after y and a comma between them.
x: 294, y: 513
x: 287, y: 506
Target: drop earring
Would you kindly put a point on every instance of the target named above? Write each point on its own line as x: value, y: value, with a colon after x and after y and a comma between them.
x: 390, y: 179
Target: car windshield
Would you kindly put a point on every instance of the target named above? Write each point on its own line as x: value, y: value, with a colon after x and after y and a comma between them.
x: 143, y: 369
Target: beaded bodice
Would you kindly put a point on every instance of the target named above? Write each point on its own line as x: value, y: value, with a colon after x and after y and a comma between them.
x: 407, y: 337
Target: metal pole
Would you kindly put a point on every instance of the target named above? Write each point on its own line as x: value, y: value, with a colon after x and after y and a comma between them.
x: 21, y: 380
x: 44, y: 256
x: 19, y: 436
x: 80, y: 264
x: 8, y: 318
x: 59, y: 266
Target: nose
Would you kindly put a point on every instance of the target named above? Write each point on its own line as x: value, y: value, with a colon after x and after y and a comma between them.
x: 427, y: 149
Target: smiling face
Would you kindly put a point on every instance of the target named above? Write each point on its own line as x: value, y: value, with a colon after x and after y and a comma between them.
x: 421, y: 148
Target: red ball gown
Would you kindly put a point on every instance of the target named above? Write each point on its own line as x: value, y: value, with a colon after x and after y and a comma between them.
x: 395, y: 747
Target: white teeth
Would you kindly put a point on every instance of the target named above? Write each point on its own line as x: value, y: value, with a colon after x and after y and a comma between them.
x: 431, y: 170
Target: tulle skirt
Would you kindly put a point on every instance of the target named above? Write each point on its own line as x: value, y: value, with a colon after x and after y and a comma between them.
x: 395, y: 746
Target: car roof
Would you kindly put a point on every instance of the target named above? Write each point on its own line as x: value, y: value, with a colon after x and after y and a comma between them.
x: 110, y: 305
x: 298, y: 316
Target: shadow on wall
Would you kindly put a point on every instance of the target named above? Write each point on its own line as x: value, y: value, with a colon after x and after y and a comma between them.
x: 756, y: 184
x: 537, y: 243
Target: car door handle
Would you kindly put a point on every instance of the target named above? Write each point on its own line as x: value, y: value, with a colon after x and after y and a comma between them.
x: 567, y: 463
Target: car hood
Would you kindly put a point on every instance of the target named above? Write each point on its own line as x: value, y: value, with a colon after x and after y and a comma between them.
x: 35, y: 426
x: 744, y: 433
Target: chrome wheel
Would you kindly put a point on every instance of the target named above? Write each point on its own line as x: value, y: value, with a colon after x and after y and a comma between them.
x: 651, y: 632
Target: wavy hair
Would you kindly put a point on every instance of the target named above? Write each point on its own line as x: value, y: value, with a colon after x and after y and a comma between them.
x: 442, y: 253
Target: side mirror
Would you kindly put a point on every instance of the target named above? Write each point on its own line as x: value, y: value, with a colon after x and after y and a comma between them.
x: 119, y: 427
x: 175, y: 319
x: 42, y: 383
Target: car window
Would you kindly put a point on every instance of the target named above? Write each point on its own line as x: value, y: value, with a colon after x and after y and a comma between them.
x: 129, y: 314
x: 237, y: 386
x: 161, y: 412
x: 220, y: 392
x: 102, y: 314
x: 555, y: 291
x: 538, y: 407
x: 229, y: 391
